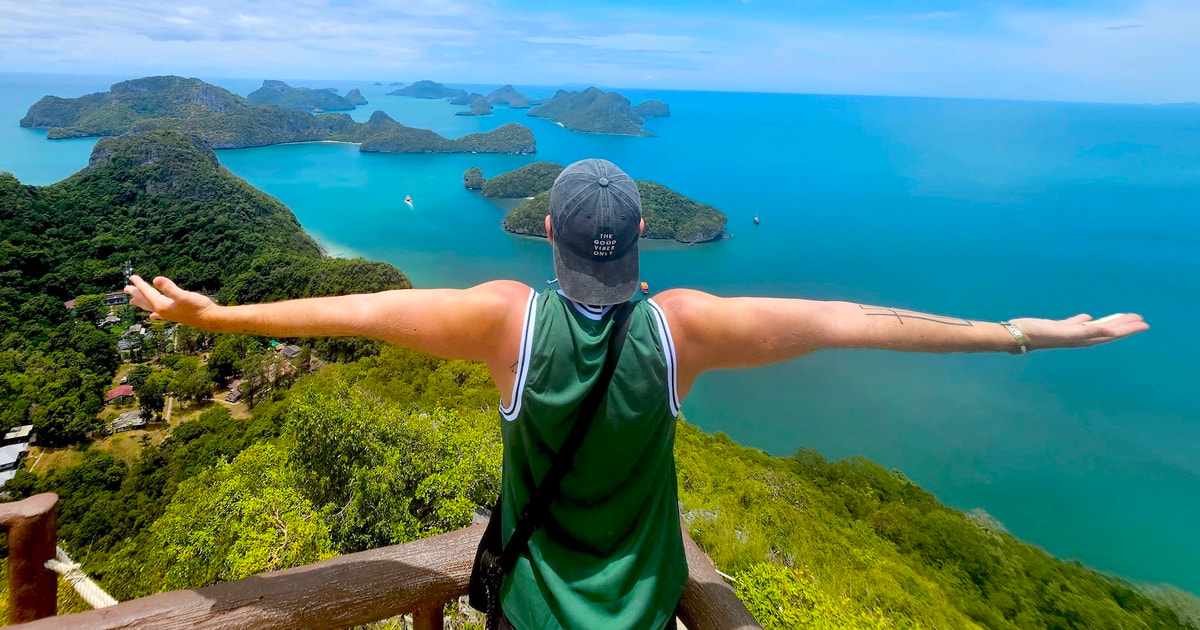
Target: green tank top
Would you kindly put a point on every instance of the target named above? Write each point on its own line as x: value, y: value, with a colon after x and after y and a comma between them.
x: 610, y: 553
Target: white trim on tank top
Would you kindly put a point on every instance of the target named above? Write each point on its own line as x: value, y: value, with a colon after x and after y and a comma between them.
x: 514, y: 403
x: 664, y: 333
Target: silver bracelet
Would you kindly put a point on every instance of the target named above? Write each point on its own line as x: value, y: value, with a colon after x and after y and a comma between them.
x: 1022, y: 340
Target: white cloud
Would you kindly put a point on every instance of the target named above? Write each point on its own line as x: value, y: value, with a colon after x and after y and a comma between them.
x: 1080, y: 54
x: 627, y: 42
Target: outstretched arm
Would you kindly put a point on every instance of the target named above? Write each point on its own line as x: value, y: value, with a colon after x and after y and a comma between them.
x: 714, y: 333
x: 475, y: 323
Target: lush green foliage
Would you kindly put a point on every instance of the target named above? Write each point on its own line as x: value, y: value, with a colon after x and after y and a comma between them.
x: 401, y: 445
x: 668, y: 215
x: 356, y: 456
x: 592, y: 110
x: 225, y: 120
x: 385, y: 474
x: 283, y: 95
x: 527, y: 181
x: 851, y: 540
x: 783, y: 598
x: 163, y: 202
x: 529, y: 217
x: 235, y: 520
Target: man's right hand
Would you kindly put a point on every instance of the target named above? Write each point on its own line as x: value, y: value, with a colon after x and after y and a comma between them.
x: 165, y: 300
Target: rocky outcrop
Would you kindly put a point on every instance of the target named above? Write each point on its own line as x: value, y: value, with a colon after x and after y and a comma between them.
x: 473, y: 178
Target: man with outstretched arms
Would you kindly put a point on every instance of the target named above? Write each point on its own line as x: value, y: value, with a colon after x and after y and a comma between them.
x: 609, y: 553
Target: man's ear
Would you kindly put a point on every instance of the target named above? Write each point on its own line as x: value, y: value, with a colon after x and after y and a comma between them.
x: 641, y: 226
x: 549, y: 232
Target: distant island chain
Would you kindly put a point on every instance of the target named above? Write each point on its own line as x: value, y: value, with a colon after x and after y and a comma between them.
x: 592, y: 110
x: 227, y: 121
x: 278, y: 113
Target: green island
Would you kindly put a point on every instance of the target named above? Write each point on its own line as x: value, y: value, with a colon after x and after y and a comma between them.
x: 345, y: 445
x: 228, y: 121
x: 652, y: 108
x: 479, y: 105
x: 428, y: 89
x: 527, y: 181
x: 668, y: 214
x: 473, y: 178
x: 482, y: 105
x: 596, y: 111
x: 283, y: 95
x: 508, y: 95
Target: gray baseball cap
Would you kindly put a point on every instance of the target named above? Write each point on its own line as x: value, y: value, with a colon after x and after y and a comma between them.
x: 595, y: 219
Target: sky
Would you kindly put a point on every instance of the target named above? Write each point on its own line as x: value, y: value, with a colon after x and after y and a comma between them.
x: 1136, y: 51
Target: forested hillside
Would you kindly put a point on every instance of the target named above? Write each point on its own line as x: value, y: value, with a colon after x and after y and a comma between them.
x: 400, y: 446
x: 161, y: 202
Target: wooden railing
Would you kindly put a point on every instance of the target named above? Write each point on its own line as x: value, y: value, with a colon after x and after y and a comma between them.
x: 416, y: 578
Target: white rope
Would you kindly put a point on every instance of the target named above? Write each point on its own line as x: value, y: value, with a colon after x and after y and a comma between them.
x: 87, y: 589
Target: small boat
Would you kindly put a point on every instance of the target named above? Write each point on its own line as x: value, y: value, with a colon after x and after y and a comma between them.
x: 646, y: 288
x: 552, y: 281
x: 756, y: 220
x: 408, y: 199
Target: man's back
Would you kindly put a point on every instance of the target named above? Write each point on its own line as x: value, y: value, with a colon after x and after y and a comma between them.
x: 610, y: 554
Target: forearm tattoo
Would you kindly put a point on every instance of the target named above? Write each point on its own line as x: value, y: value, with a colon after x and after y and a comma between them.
x: 901, y: 315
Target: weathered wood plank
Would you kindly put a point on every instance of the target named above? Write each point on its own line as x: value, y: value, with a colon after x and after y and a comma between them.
x: 358, y: 588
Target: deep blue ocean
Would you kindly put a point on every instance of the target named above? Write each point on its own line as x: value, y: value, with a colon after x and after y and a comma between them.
x: 981, y: 209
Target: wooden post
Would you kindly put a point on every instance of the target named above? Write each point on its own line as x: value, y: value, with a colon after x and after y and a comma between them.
x: 428, y: 617
x: 32, y: 535
x: 708, y: 602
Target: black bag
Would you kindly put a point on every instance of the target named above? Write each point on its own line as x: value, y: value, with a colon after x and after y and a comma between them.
x: 493, y: 559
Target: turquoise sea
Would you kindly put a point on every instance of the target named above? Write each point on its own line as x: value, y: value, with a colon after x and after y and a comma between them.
x: 981, y: 209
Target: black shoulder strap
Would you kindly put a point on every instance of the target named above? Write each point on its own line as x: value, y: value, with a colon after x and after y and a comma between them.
x: 535, y: 510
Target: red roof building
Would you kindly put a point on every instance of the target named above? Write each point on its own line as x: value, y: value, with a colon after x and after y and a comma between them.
x: 118, y: 393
